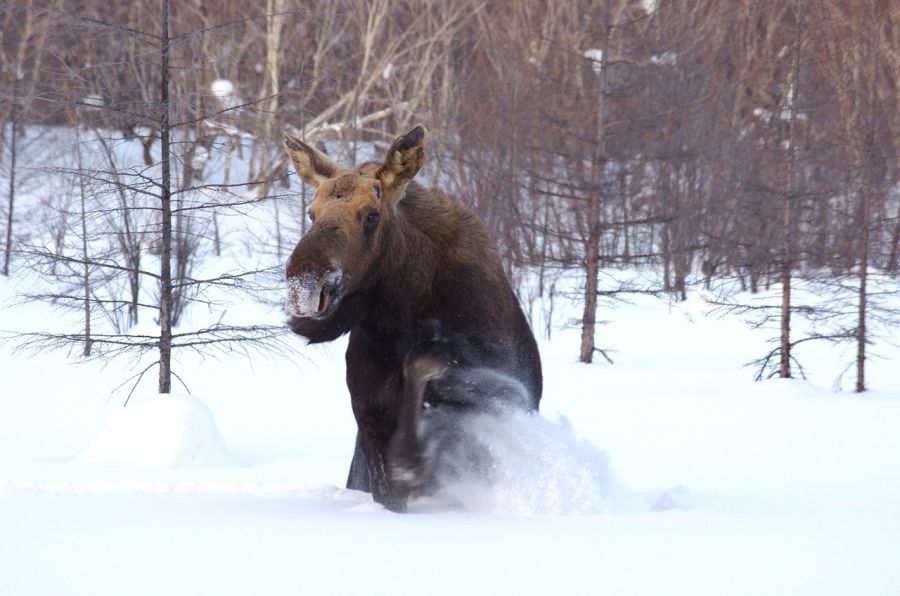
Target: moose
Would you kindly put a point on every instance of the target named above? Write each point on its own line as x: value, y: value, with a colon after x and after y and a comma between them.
x: 415, y: 279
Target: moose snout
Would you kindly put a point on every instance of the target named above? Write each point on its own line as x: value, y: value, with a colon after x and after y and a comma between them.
x: 313, y: 294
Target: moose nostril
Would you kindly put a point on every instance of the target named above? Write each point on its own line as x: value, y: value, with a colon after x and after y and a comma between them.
x: 322, y: 300
x: 332, y: 277
x: 331, y: 281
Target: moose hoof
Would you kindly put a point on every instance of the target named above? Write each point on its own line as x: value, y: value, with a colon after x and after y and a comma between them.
x: 393, y: 500
x: 406, y: 474
x: 407, y: 470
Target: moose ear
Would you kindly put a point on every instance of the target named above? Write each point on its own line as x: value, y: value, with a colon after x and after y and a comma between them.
x: 312, y: 165
x: 404, y: 158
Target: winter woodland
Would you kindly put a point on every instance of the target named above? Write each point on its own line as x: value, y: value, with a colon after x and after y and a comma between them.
x: 697, y: 202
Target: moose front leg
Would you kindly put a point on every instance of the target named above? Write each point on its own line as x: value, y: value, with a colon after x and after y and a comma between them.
x: 375, y: 388
x: 406, y: 458
x: 358, y: 478
x: 373, y: 442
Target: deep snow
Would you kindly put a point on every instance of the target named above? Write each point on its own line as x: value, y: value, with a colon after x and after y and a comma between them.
x: 718, y: 485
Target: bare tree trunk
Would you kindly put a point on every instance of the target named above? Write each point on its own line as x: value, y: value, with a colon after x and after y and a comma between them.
x: 165, y: 254
x: 894, y: 246
x: 592, y: 268
x: 14, y: 117
x: 865, y: 216
x: 274, y: 20
x: 86, y: 271
x: 787, y: 262
x: 666, y: 251
x: 592, y: 256
x: 784, y: 369
x: 863, y: 297
x: 278, y: 240
x: 544, y: 232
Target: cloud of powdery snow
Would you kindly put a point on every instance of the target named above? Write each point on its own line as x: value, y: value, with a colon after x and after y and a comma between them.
x: 517, y: 463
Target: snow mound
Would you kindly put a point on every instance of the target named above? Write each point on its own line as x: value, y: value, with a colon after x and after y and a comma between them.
x: 163, y: 431
x: 536, y: 467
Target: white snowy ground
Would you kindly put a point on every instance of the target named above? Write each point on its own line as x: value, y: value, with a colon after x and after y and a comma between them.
x: 719, y: 485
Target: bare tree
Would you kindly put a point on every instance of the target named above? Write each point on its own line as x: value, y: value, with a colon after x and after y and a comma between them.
x: 863, y: 36
x: 152, y: 204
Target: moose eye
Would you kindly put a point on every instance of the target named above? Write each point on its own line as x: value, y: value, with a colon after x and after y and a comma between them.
x: 312, y: 218
x: 372, y: 219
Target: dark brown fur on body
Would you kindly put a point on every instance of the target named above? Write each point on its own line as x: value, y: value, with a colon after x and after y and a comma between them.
x: 421, y: 257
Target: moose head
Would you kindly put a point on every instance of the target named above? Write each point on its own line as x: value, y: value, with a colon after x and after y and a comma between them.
x: 352, y: 216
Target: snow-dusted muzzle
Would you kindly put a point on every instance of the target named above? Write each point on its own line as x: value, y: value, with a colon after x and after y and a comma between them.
x: 313, y: 295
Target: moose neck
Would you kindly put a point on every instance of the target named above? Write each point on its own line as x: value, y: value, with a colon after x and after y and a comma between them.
x: 406, y: 271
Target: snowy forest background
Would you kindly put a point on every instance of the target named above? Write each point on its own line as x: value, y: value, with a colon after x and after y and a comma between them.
x: 706, y: 139
x: 681, y: 188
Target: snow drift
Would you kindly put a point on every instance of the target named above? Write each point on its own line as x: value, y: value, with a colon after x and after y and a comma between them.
x: 163, y: 431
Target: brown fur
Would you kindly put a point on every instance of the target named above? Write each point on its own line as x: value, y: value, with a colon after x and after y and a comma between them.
x: 425, y: 258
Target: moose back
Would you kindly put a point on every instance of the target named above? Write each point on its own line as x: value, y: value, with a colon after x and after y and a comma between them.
x: 384, y: 258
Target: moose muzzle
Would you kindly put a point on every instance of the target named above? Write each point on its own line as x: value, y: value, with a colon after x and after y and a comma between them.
x: 313, y: 295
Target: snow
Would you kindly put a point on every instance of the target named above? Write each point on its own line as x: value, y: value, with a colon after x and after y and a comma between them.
x: 166, y: 430
x: 668, y: 472
x: 595, y: 55
x: 666, y: 58
x: 538, y: 467
x: 93, y: 101
x: 222, y: 88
